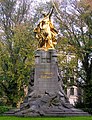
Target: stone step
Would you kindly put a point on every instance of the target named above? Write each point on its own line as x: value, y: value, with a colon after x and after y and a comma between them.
x: 48, y: 113
x: 67, y: 114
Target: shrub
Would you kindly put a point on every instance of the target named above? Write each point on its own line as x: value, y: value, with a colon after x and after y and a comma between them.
x: 4, y: 109
x: 84, y: 107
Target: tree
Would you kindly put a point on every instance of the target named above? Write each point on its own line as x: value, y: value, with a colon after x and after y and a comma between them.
x: 67, y: 61
x: 16, y: 51
x: 76, y: 26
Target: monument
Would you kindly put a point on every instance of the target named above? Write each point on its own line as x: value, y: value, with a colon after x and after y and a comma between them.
x: 46, y: 96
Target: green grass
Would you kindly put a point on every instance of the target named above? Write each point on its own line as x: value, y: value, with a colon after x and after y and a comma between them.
x: 44, y: 118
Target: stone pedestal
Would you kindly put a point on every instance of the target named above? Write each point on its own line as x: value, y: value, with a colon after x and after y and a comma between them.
x: 46, y: 72
x: 45, y: 93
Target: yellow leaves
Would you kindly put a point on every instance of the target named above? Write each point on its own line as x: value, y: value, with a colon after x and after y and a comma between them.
x: 19, y: 33
x: 87, y: 3
x: 20, y: 28
x: 71, y: 49
x: 1, y: 0
x: 1, y: 46
x: 19, y: 81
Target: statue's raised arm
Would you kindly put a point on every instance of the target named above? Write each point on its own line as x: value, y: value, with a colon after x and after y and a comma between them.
x: 46, y: 33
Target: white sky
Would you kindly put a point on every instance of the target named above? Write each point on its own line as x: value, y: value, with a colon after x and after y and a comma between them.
x: 44, y: 1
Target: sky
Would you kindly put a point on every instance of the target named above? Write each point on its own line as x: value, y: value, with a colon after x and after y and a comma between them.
x: 42, y: 1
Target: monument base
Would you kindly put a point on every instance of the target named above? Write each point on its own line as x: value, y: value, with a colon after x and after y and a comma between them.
x: 48, y: 105
x: 45, y: 93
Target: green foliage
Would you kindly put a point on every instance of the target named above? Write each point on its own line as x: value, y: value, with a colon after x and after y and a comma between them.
x: 17, y: 47
x: 4, y: 109
x: 67, y: 60
x: 76, y: 28
x: 84, y: 107
x: 16, y: 63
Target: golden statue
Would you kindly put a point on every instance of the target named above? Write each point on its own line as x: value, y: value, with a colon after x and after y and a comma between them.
x: 46, y: 33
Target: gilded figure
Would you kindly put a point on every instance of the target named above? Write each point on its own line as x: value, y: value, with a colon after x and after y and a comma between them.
x: 46, y: 33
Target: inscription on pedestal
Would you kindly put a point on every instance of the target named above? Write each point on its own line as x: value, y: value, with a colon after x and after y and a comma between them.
x: 46, y: 75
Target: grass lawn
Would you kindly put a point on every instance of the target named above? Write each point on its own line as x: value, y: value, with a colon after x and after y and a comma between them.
x: 44, y: 118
